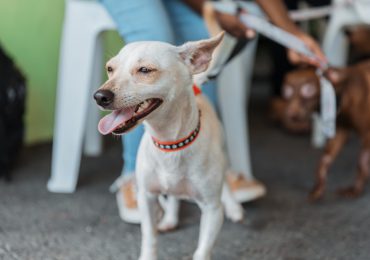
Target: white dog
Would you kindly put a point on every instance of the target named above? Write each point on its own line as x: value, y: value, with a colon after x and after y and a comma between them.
x: 181, y: 153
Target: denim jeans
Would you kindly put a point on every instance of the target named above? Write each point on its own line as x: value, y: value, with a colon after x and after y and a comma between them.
x: 169, y: 21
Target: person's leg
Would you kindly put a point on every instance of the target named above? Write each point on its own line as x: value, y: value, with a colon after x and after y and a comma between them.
x: 189, y: 26
x: 140, y: 20
x: 137, y: 20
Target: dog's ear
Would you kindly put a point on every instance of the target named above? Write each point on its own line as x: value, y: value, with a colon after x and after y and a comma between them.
x: 336, y: 75
x: 197, y: 55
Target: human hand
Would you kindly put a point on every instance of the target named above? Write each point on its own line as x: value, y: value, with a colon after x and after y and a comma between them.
x: 233, y: 25
x: 297, y: 58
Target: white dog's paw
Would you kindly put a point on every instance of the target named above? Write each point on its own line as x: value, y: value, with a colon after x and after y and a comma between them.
x: 170, y: 218
x: 234, y: 212
x: 167, y: 224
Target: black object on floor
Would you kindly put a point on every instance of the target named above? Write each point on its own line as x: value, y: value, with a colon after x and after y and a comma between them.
x: 12, y: 106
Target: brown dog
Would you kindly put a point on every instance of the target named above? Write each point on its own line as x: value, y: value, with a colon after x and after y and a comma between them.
x: 359, y: 41
x: 301, y: 91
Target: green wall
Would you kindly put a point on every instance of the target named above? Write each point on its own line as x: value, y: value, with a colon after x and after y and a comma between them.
x: 30, y: 32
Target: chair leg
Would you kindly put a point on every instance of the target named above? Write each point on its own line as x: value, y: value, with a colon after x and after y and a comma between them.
x: 93, y: 140
x: 234, y: 84
x: 335, y: 44
x: 76, y: 59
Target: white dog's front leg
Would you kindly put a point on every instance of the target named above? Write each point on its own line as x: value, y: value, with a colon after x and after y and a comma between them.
x: 170, y: 219
x: 210, y: 225
x: 148, y: 205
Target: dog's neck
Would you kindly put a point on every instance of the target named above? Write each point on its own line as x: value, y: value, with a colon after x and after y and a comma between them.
x: 177, y: 119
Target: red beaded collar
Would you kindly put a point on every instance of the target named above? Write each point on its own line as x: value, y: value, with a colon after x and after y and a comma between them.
x: 180, y: 144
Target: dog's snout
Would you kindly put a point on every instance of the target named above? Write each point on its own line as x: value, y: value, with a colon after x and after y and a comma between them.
x: 104, y: 97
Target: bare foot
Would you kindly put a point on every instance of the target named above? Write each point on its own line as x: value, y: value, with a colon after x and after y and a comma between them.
x: 316, y: 194
x: 350, y: 192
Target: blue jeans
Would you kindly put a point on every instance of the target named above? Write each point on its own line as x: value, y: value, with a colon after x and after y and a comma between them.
x: 169, y: 21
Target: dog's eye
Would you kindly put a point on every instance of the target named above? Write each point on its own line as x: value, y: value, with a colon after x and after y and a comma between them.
x: 109, y: 69
x: 288, y: 92
x: 145, y: 70
x: 308, y: 90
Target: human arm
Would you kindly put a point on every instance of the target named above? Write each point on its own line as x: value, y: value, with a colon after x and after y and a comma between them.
x: 278, y: 14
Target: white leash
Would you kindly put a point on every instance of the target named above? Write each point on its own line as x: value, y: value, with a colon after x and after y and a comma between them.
x: 311, y: 13
x: 328, y: 106
x: 266, y: 28
x: 288, y: 40
x: 278, y: 35
x: 319, y: 12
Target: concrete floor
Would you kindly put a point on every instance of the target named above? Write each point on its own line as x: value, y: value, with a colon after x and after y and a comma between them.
x: 38, y: 225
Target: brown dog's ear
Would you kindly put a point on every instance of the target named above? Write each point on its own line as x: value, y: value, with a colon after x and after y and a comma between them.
x: 336, y: 75
x: 197, y: 55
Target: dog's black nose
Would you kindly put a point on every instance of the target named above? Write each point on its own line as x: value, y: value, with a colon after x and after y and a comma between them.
x: 104, y: 97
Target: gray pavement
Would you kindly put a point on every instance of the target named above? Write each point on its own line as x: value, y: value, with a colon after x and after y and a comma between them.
x: 38, y: 225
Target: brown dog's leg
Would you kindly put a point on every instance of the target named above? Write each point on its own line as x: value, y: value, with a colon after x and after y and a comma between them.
x: 332, y: 149
x: 362, y: 174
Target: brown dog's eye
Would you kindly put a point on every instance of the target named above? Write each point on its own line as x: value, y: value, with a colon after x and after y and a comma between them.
x: 308, y: 90
x: 109, y: 69
x: 145, y: 70
x: 288, y: 92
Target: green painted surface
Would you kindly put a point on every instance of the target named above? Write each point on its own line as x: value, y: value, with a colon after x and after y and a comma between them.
x: 30, y: 32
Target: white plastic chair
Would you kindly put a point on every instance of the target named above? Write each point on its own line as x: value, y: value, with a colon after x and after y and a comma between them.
x: 346, y: 13
x: 77, y: 116
x: 234, y: 86
x: 80, y: 70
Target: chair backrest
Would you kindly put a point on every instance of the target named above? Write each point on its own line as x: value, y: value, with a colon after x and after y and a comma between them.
x: 362, y: 7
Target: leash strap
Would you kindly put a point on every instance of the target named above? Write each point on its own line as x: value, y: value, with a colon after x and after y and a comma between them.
x: 328, y: 100
x: 276, y: 34
x: 328, y: 106
x: 231, y: 47
x: 324, y: 122
x: 266, y: 28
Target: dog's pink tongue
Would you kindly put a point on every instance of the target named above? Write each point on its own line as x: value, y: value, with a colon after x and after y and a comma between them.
x: 111, y: 121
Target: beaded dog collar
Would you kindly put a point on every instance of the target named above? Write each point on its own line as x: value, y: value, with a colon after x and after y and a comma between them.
x: 184, y: 142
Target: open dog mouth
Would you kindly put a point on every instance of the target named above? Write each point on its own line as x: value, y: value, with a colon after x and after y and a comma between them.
x: 122, y: 120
